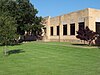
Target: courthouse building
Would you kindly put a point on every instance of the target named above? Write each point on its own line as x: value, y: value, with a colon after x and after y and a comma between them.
x: 64, y: 27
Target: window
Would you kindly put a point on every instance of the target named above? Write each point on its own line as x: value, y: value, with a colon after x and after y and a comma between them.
x: 51, y: 31
x: 81, y: 25
x: 65, y: 29
x: 98, y: 27
x: 57, y: 30
x: 72, y: 29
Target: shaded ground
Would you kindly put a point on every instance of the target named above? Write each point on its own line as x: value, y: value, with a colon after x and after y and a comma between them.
x: 15, y: 51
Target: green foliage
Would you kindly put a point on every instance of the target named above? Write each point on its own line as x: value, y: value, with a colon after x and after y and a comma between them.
x: 26, y: 17
x: 18, y: 16
x: 24, y: 13
x: 7, y: 29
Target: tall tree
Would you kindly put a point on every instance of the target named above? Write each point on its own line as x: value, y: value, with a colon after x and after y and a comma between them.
x: 7, y: 31
x: 25, y: 15
x: 16, y: 17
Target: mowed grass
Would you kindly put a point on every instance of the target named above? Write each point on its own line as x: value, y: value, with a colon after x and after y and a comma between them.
x: 38, y: 58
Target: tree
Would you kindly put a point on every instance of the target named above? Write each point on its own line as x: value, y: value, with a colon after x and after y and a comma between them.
x: 25, y: 15
x: 16, y: 17
x: 86, y: 35
x: 7, y: 31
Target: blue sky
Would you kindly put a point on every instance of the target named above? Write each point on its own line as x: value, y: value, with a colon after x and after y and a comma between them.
x: 59, y: 7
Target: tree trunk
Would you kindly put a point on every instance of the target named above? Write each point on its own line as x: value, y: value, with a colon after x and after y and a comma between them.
x: 90, y: 42
x: 5, y: 50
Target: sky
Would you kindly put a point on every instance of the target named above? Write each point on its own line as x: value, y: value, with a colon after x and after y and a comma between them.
x: 59, y: 7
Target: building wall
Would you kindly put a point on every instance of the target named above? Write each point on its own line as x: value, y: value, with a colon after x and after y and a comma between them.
x: 88, y: 16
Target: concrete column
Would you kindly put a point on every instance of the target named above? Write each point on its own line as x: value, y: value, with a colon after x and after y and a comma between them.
x: 48, y: 28
x: 61, y: 28
x: 68, y: 26
x: 90, y: 22
x: 86, y: 21
x: 92, y: 25
x: 76, y: 27
x: 54, y: 30
x: 68, y: 29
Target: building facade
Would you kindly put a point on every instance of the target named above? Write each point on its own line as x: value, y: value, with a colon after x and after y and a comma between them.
x: 63, y: 28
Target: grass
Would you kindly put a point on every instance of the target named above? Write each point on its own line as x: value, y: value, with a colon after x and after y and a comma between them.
x: 52, y: 58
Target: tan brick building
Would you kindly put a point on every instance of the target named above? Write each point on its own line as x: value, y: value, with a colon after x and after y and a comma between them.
x: 64, y: 27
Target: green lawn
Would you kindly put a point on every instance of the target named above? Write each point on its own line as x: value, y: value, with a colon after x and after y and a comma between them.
x: 53, y: 58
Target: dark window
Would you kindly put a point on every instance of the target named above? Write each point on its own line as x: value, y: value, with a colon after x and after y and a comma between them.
x: 98, y: 27
x: 81, y: 25
x: 65, y: 29
x: 57, y: 30
x: 51, y: 31
x: 72, y: 29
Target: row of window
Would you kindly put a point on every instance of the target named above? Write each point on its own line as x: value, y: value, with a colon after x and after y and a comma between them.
x: 57, y: 30
x: 72, y: 29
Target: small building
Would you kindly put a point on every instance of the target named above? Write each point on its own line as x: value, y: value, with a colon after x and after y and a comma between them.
x: 63, y: 28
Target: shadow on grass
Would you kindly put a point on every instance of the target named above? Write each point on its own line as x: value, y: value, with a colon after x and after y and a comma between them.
x: 15, y: 51
x: 86, y: 45
x: 80, y: 44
